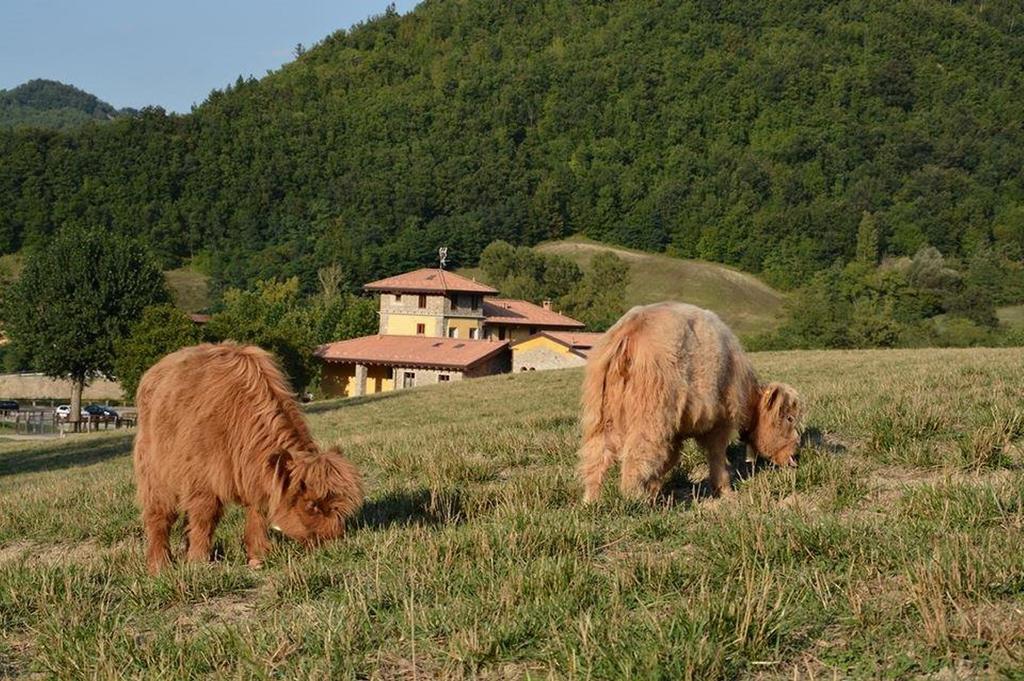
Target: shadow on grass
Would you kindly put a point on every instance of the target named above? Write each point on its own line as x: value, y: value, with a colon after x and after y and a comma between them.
x: 679, y: 489
x: 412, y: 507
x: 817, y: 438
x: 69, y: 453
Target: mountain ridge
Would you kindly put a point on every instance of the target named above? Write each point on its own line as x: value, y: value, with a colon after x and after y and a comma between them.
x: 752, y: 134
x: 51, y: 104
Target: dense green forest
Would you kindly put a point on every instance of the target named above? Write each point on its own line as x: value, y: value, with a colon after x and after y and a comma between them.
x: 50, y: 104
x: 752, y: 133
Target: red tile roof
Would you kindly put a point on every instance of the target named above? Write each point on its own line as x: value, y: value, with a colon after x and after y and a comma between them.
x: 429, y: 280
x: 575, y: 339
x: 509, y: 311
x: 412, y: 351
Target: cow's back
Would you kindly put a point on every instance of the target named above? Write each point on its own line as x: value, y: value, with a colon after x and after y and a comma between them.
x: 713, y: 372
x: 192, y: 404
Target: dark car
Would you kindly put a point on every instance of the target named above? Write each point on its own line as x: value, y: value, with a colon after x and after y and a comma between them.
x: 9, y: 405
x: 98, y: 410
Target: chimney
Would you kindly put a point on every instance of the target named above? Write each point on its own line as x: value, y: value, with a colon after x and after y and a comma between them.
x: 546, y: 304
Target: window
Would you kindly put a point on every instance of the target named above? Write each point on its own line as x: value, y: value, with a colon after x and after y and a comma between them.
x: 408, y: 379
x: 443, y: 378
x: 454, y: 301
x: 421, y: 329
x: 398, y: 297
x: 453, y: 332
x: 423, y: 301
x: 501, y: 333
x: 533, y: 330
x: 474, y: 302
x: 472, y: 334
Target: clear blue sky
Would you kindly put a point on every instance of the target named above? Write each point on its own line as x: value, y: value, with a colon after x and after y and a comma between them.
x: 168, y: 53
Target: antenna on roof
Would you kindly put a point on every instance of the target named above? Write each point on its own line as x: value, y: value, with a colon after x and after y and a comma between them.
x: 442, y: 256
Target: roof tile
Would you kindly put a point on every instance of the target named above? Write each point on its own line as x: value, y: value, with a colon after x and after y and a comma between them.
x: 510, y: 311
x: 429, y: 280
x: 420, y: 351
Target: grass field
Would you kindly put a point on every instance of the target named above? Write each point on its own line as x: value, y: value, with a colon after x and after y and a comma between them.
x: 190, y: 290
x: 745, y: 302
x: 1012, y: 316
x: 895, y: 549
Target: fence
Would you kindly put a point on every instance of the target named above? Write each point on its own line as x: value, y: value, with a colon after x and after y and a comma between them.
x: 46, y: 422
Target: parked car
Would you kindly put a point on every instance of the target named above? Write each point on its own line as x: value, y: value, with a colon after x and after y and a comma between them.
x: 9, y: 405
x: 64, y: 410
x: 99, y: 410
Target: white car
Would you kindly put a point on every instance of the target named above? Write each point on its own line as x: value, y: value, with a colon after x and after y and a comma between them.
x: 63, y: 411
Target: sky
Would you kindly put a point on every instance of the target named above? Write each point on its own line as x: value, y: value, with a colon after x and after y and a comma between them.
x: 163, y: 53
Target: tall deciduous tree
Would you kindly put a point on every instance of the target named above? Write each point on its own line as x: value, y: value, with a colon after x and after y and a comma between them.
x: 162, y: 330
x: 76, y: 297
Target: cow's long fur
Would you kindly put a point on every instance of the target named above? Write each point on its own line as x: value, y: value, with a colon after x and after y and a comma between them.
x: 217, y: 425
x: 670, y: 371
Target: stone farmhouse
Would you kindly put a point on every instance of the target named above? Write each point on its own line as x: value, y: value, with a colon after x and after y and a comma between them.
x: 437, y: 326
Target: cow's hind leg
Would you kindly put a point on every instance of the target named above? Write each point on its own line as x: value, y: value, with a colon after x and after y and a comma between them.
x: 715, y: 443
x: 157, y: 519
x: 203, y: 511
x: 646, y: 457
x: 595, y: 459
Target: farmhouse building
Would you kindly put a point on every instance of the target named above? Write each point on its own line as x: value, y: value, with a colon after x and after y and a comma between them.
x: 435, y: 327
x: 553, y: 350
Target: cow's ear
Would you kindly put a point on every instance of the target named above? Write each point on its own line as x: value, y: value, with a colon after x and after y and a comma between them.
x: 771, y: 396
x: 281, y: 463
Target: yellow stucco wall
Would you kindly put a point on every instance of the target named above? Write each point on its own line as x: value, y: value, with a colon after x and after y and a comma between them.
x: 405, y: 324
x: 464, y: 325
x: 338, y: 380
x: 541, y: 342
x: 512, y: 333
x: 378, y: 380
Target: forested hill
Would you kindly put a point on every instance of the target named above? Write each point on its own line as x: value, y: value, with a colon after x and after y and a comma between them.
x: 751, y: 133
x: 51, y: 104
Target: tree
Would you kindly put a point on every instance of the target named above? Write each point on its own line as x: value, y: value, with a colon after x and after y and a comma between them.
x: 162, y: 330
x: 358, y: 319
x: 76, y: 297
x: 600, y: 299
x: 867, y: 239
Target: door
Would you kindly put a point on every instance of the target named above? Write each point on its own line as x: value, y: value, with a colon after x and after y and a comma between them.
x: 408, y: 379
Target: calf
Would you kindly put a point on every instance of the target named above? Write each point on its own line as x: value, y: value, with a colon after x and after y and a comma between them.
x: 218, y: 425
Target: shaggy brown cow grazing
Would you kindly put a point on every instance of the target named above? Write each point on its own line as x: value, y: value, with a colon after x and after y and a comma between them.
x: 218, y: 425
x: 670, y: 371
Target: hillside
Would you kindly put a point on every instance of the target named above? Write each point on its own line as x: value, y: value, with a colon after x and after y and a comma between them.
x: 755, y: 134
x: 893, y: 550
x: 53, y: 105
x: 746, y: 303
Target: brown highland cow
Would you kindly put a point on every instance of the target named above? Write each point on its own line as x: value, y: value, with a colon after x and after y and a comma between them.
x: 218, y: 425
x: 670, y: 371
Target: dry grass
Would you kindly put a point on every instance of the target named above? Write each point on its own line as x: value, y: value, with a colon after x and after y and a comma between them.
x: 189, y: 289
x: 894, y: 550
x: 745, y: 302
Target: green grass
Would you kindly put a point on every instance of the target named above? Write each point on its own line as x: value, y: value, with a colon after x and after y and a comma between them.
x: 745, y: 302
x: 190, y: 289
x: 12, y: 264
x: 895, y: 549
x: 1012, y: 316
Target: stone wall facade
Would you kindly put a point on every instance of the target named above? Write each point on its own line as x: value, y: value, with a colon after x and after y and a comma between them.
x: 542, y: 359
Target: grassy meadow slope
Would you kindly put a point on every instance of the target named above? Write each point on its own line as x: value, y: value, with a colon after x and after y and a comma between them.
x: 896, y: 545
x: 190, y: 289
x: 745, y: 302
